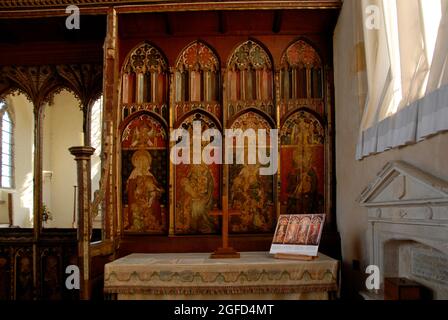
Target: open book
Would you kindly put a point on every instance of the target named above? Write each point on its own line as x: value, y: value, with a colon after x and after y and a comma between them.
x: 298, y: 234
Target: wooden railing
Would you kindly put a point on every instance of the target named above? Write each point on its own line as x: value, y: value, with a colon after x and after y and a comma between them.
x: 35, y: 269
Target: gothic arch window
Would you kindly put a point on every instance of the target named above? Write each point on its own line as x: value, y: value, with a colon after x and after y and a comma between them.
x: 302, y: 153
x: 197, y: 74
x: 145, y: 82
x: 250, y: 79
x: 301, y: 77
x: 7, y: 146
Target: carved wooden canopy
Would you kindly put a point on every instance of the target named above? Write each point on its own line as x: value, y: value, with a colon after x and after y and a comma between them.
x: 40, y: 83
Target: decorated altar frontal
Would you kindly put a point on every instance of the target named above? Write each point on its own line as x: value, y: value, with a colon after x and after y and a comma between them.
x: 256, y: 276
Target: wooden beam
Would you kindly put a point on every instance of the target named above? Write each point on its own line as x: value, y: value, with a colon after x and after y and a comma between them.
x: 22, y: 9
x: 167, y: 21
x: 277, y: 23
x: 222, y: 22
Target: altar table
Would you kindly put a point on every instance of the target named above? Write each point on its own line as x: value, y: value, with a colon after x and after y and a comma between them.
x: 256, y: 275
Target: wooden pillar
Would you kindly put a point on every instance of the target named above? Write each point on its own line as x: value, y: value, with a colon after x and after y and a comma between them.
x: 172, y: 117
x: 37, y: 191
x: 82, y: 158
x: 277, y: 100
x: 327, y: 92
x: 111, y: 116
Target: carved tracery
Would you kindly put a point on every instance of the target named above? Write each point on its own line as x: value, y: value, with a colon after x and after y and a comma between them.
x: 145, y: 82
x: 301, y: 78
x: 85, y: 80
x: 197, y: 80
x: 249, y: 79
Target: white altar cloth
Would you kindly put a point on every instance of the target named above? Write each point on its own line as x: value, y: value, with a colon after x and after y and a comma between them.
x: 256, y: 275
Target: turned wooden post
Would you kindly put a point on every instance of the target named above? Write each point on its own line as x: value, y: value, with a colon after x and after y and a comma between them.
x: 82, y: 158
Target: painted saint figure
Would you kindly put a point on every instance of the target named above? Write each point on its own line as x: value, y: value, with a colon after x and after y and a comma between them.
x: 291, y: 232
x: 197, y: 199
x: 248, y: 195
x: 302, y: 232
x: 144, y: 193
x: 313, y: 237
x: 303, y: 185
x: 281, y: 230
x: 302, y: 173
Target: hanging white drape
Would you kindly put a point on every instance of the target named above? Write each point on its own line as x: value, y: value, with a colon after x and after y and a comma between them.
x: 407, y: 71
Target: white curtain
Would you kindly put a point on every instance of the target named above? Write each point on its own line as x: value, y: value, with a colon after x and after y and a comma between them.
x: 407, y: 72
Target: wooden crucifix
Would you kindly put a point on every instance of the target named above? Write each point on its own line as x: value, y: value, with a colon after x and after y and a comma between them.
x: 225, y: 252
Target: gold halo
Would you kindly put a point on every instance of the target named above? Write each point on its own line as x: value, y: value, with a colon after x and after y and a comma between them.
x: 141, y: 153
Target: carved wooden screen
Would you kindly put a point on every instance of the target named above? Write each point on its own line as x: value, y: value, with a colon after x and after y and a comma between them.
x: 144, y: 141
x: 250, y: 193
x: 301, y: 78
x: 302, y: 135
x: 196, y: 81
x: 197, y: 187
x: 250, y: 105
x: 145, y: 82
x: 302, y: 164
x: 249, y: 80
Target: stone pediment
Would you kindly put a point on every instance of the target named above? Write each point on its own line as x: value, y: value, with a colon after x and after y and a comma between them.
x: 401, y: 184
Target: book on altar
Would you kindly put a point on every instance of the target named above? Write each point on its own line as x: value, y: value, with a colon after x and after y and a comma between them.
x: 298, y: 234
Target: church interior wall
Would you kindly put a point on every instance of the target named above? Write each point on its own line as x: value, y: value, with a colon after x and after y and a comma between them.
x: 62, y: 129
x: 354, y: 176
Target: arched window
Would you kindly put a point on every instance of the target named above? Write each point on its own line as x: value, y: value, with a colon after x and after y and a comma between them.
x: 6, y: 148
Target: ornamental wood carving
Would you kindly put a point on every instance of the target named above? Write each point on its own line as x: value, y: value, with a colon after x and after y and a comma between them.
x: 85, y: 80
x: 301, y: 54
x: 301, y: 79
x: 197, y: 80
x: 5, y: 86
x: 41, y: 83
x: 249, y: 80
x: 145, y: 82
x: 197, y: 56
x: 249, y: 55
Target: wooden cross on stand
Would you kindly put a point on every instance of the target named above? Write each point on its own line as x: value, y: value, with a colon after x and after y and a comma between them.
x: 225, y: 252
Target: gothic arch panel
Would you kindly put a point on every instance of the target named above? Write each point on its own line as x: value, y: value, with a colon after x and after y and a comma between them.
x: 302, y: 173
x: 197, y: 186
x: 145, y: 82
x: 301, y: 78
x: 249, y: 79
x: 197, y: 80
x: 144, y: 174
x: 251, y: 193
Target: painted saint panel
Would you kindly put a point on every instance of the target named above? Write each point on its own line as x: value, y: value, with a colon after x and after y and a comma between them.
x: 302, y: 165
x: 197, y: 188
x: 251, y: 193
x: 144, y: 176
